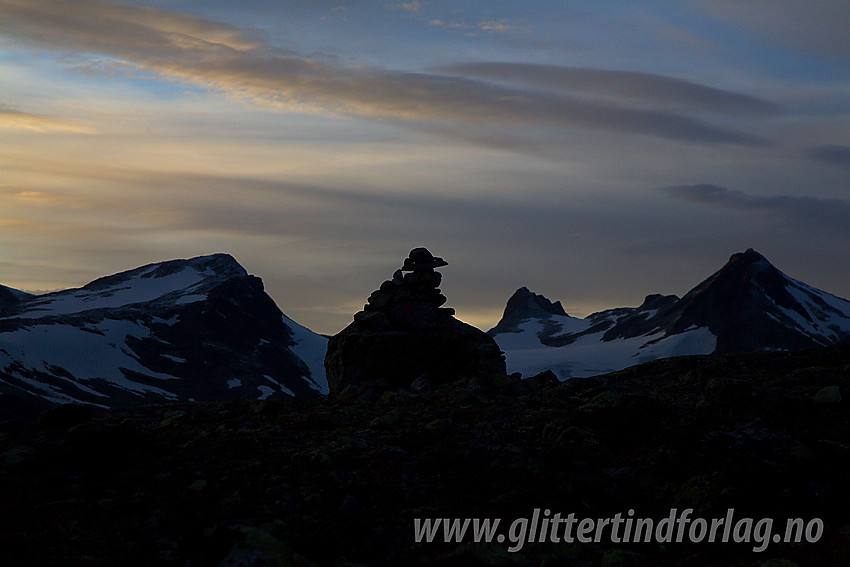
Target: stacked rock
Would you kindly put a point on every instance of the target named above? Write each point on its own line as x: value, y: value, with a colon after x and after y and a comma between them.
x: 411, y: 299
x: 404, y: 335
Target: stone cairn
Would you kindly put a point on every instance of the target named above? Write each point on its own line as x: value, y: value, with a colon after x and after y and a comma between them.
x: 411, y: 299
x: 403, y: 336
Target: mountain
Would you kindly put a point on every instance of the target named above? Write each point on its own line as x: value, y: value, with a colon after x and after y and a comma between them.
x: 523, y: 305
x: 747, y: 305
x: 182, y: 330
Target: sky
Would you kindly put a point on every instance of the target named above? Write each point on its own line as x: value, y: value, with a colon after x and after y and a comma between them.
x: 593, y: 151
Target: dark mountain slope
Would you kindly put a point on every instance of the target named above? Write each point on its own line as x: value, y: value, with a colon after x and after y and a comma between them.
x: 339, y: 482
x: 750, y: 305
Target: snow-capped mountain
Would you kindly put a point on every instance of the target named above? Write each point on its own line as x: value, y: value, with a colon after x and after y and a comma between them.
x: 748, y: 305
x: 198, y: 329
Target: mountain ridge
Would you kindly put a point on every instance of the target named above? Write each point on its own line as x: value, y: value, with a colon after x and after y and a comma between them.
x: 746, y: 305
x: 181, y: 330
x: 204, y: 329
x: 523, y: 304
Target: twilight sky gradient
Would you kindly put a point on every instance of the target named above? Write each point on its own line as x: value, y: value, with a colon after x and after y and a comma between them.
x: 594, y: 151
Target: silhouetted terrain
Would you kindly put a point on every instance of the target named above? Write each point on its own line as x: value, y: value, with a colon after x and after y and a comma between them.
x: 339, y: 481
x: 748, y: 305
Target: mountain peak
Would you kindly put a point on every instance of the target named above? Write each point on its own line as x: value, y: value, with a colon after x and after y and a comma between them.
x: 750, y: 267
x: 748, y: 258
x: 739, y: 274
x: 217, y: 265
x: 172, y: 275
x: 180, y: 330
x: 180, y: 281
x: 747, y: 305
x: 748, y: 253
x: 523, y: 305
x: 220, y: 264
x: 530, y: 304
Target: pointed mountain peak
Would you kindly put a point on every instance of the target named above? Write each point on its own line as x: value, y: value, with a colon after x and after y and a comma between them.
x: 749, y: 254
x: 744, y: 269
x: 748, y: 258
x: 749, y: 304
x: 531, y: 304
x: 523, y: 305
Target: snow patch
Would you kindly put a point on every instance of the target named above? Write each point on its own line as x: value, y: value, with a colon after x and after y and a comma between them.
x: 283, y: 388
x: 81, y: 354
x: 136, y: 289
x: 827, y: 311
x: 311, y: 348
x: 170, y: 321
x: 527, y: 334
x: 265, y: 392
x: 590, y: 356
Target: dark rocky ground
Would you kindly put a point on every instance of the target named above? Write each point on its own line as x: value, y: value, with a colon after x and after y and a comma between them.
x: 338, y: 482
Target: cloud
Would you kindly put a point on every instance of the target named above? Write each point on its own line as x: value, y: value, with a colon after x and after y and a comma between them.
x: 499, y: 26
x: 18, y: 120
x: 708, y: 194
x: 235, y: 62
x: 145, y: 202
x: 98, y: 25
x: 445, y: 24
x: 490, y: 26
x: 413, y: 6
x: 819, y: 27
x: 832, y: 155
x: 657, y: 89
x: 804, y: 212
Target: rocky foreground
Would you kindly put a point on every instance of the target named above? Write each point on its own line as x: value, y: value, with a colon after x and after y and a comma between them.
x: 339, y: 481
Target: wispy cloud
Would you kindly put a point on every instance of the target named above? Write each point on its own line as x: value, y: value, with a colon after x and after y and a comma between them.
x: 499, y: 26
x: 126, y: 214
x: 236, y: 62
x: 491, y: 26
x: 448, y: 24
x: 832, y: 155
x: 819, y: 27
x: 802, y: 211
x: 413, y: 6
x: 18, y: 120
x: 145, y: 201
x: 659, y: 90
x: 99, y: 25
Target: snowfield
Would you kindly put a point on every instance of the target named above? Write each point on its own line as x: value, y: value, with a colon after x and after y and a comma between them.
x: 589, y: 355
x: 140, y: 288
